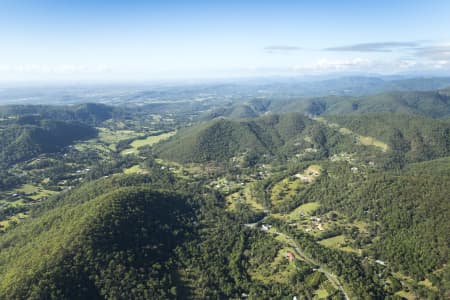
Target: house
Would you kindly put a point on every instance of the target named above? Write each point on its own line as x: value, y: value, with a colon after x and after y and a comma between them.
x: 304, y: 178
x: 290, y: 256
x: 316, y: 219
x: 265, y: 227
x: 380, y: 262
x: 354, y: 169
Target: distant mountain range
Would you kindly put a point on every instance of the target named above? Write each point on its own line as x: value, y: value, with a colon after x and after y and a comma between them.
x: 435, y: 104
x: 216, y: 92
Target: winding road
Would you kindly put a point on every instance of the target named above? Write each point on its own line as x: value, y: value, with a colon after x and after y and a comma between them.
x: 333, y: 278
x: 330, y: 276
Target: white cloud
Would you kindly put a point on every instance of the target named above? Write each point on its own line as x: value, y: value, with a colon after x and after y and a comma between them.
x: 340, y: 64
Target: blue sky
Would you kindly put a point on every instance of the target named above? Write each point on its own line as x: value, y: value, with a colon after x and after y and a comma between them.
x: 144, y: 40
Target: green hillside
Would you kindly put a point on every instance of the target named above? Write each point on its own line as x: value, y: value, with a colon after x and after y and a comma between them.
x: 410, y: 210
x: 247, y: 204
x: 128, y: 234
x: 412, y: 138
x: 435, y: 104
x: 272, y: 135
x: 119, y: 238
x: 28, y: 138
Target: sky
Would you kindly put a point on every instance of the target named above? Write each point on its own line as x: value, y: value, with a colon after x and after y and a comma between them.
x: 146, y: 40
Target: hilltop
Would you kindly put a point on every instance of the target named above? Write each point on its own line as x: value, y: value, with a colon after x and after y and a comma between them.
x: 30, y: 136
x: 434, y: 104
x: 271, y: 135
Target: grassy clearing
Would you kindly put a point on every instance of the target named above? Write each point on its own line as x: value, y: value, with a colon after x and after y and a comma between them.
x: 134, y: 169
x: 406, y: 295
x: 28, y: 189
x: 304, y: 209
x: 321, y: 293
x: 427, y: 283
x: 252, y: 201
x: 314, y: 168
x: 4, y: 224
x: 285, y: 188
x: 109, y: 136
x: 16, y: 219
x: 339, y: 242
x: 362, y: 226
x: 149, y: 141
x: 91, y: 145
x: 34, y: 192
x: 246, y: 197
x: 370, y: 141
x: 334, y: 242
x: 344, y: 130
x: 43, y: 194
x: 351, y: 250
x: 288, y: 187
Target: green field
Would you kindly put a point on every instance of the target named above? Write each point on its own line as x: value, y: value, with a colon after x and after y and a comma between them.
x: 28, y: 189
x: 406, y: 295
x: 149, y: 141
x: 306, y: 209
x: 339, y: 242
x: 134, y: 169
x: 364, y: 140
x: 289, y: 186
x: 334, y: 242
x: 370, y: 141
x: 109, y: 136
x: 322, y: 294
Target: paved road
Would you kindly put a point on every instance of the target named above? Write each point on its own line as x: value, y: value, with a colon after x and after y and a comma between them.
x: 333, y: 278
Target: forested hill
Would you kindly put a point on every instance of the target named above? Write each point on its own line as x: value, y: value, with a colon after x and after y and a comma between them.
x: 412, y: 138
x: 90, y: 113
x: 119, y: 243
x: 121, y: 238
x: 30, y: 136
x: 434, y: 104
x: 271, y: 135
x: 410, y: 209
